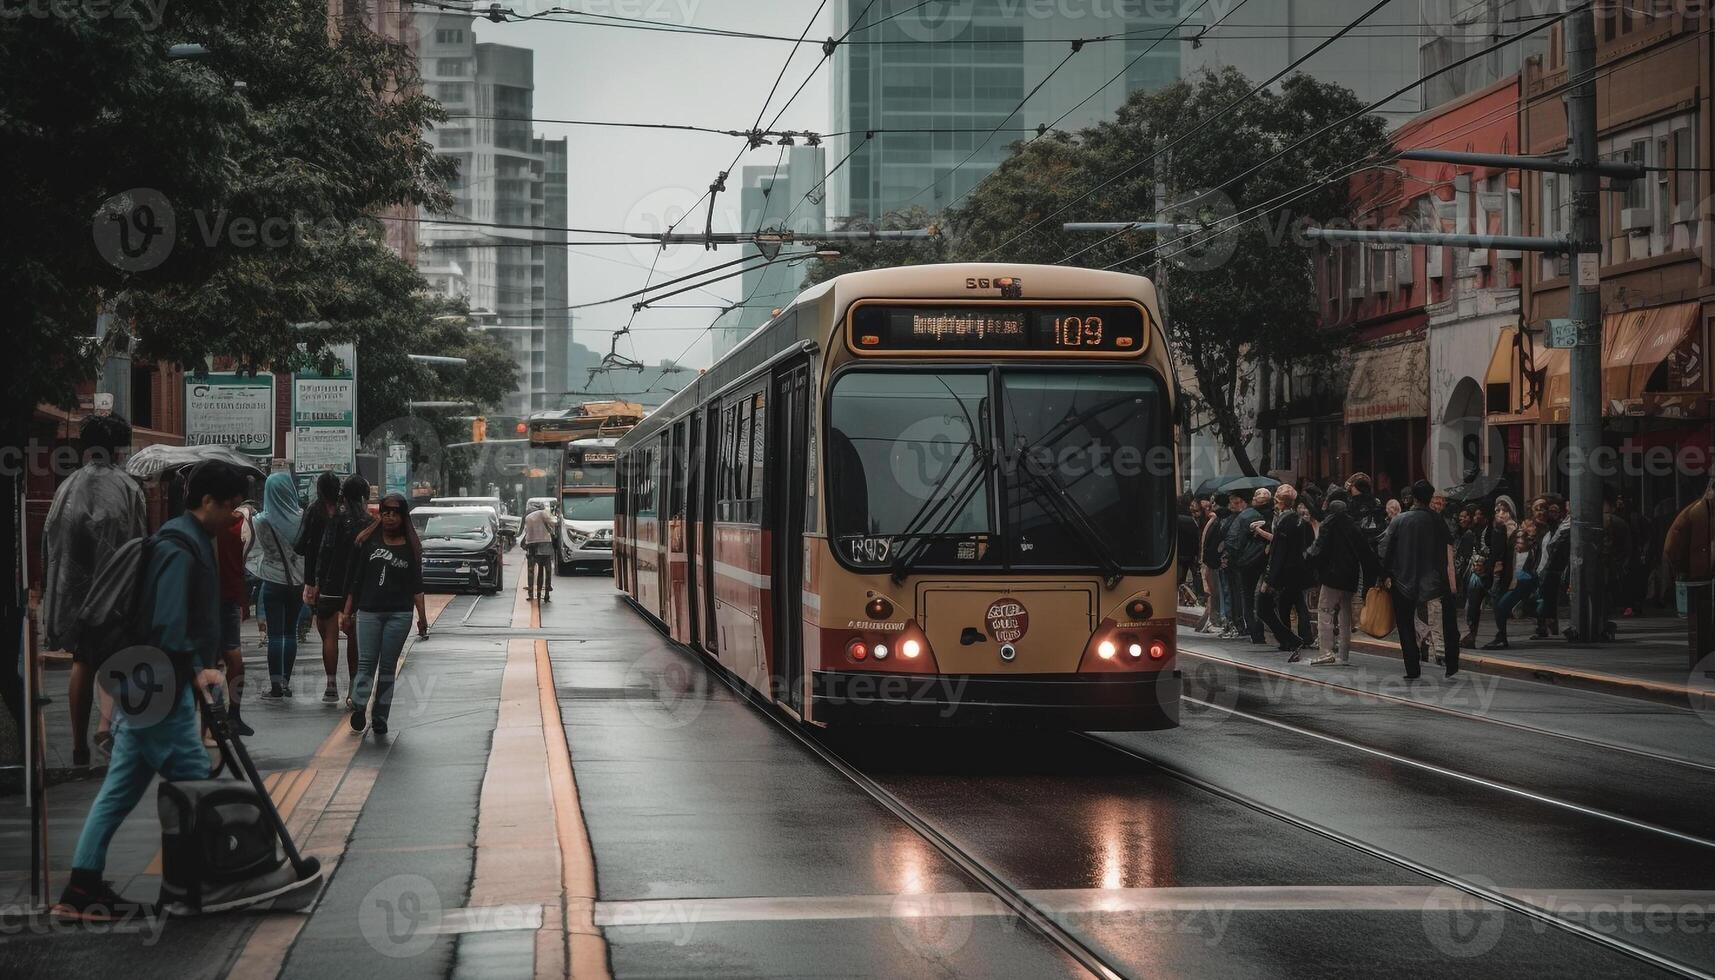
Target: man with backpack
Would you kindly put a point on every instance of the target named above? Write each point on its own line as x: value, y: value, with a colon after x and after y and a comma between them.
x: 170, y: 602
x: 95, y: 512
x: 1247, y: 551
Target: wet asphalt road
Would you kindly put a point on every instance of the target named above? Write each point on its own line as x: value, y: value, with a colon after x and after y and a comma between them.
x: 1301, y: 823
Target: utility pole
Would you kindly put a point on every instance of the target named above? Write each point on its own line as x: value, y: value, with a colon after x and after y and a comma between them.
x: 1584, y: 306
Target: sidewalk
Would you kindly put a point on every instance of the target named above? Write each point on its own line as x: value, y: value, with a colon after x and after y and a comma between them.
x: 1647, y: 660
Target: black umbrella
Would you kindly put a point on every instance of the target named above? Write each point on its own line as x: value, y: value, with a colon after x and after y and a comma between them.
x: 1250, y: 483
x: 154, y: 462
x: 1478, y: 489
x: 1215, y: 483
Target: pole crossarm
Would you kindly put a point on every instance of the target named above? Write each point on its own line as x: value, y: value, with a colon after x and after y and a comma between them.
x: 1603, y: 168
x: 786, y: 236
x: 1112, y: 226
x: 1524, y: 243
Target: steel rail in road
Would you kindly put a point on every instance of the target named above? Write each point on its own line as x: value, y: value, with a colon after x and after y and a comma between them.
x: 1474, y: 889
x: 1453, y: 712
x: 1008, y: 894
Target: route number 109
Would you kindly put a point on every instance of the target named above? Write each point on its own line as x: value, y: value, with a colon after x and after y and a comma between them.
x: 1078, y: 331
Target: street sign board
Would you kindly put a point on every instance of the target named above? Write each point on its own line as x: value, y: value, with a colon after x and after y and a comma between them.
x: 1589, y: 269
x: 1562, y: 333
x: 398, y: 471
x: 324, y: 419
x: 231, y: 410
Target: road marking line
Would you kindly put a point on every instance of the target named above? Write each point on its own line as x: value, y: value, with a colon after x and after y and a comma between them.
x: 671, y: 913
x: 586, y: 944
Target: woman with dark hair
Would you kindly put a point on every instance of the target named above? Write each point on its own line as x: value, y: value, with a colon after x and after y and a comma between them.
x: 332, y: 572
x: 386, y: 582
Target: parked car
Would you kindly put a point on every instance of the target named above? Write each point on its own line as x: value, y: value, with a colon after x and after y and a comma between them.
x: 586, y: 532
x: 461, y: 549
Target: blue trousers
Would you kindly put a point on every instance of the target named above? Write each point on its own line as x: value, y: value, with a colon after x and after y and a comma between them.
x: 171, y: 748
x: 1505, y: 604
x: 380, y: 639
x: 281, y: 605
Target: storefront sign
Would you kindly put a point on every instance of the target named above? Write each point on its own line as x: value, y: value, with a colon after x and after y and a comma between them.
x: 398, y: 473
x: 231, y: 410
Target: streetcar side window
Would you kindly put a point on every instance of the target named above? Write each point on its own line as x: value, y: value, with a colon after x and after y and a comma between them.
x: 758, y: 455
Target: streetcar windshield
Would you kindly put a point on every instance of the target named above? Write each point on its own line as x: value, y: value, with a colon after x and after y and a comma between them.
x: 587, y: 507
x: 595, y: 470
x: 1080, y: 463
x: 901, y: 443
x: 1098, y: 442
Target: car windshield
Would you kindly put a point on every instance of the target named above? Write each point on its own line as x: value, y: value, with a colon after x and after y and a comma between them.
x: 915, y: 453
x: 587, y: 507
x: 462, y: 526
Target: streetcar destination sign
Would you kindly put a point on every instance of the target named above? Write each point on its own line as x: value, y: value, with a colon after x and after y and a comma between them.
x: 1087, y: 329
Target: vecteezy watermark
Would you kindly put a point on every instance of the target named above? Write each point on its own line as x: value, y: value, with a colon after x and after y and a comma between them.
x: 666, y: 690
x: 666, y: 209
x: 137, y: 230
x: 146, y: 13
x: 145, y: 922
x: 1461, y: 925
x: 143, y: 683
x: 398, y: 917
x: 951, y: 20
x: 675, y: 921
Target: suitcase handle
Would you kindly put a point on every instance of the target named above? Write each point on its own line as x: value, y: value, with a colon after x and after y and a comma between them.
x: 237, y: 758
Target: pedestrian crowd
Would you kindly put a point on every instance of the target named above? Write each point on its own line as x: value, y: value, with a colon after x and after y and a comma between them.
x: 355, y: 575
x: 1259, y: 559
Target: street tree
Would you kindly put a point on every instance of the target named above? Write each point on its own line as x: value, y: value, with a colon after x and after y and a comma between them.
x: 1237, y: 299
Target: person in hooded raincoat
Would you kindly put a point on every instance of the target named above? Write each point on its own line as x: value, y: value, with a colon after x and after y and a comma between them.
x: 282, y: 571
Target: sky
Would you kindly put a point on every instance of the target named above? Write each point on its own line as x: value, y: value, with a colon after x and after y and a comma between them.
x: 644, y: 180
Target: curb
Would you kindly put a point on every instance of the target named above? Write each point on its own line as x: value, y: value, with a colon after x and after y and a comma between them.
x: 1582, y: 680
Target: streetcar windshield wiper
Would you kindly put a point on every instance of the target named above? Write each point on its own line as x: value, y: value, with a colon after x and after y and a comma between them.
x: 917, y: 533
x: 1053, y: 497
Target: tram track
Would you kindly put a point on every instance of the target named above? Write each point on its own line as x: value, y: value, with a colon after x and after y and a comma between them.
x: 1385, y: 698
x: 1009, y: 895
x: 1464, y: 885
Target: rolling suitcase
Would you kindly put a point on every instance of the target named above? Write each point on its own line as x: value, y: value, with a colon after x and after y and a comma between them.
x: 222, y: 840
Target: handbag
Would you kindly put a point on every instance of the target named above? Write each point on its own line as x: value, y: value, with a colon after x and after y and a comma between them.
x: 1377, y: 617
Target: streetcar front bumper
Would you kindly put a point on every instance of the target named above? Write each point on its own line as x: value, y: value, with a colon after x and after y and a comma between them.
x: 1084, y: 702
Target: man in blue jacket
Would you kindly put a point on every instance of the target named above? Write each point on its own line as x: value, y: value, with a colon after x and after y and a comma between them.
x: 152, y: 736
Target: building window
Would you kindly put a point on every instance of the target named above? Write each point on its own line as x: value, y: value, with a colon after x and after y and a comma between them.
x: 450, y: 66
x: 446, y: 36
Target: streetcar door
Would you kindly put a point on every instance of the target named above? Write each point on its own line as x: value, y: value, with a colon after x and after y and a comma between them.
x: 786, y: 518
x: 693, y: 529
x: 712, y: 441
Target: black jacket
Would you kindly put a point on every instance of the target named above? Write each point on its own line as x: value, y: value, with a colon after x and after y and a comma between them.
x: 333, y: 558
x: 1244, y: 549
x: 1340, y: 552
x: 1213, y: 537
x: 1189, y: 532
x: 1287, y: 571
x: 1414, y: 554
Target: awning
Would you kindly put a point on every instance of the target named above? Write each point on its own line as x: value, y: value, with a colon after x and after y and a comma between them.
x: 1502, y: 381
x: 1634, y: 344
x: 1389, y: 382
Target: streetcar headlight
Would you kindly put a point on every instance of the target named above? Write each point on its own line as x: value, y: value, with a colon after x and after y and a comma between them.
x: 1107, y: 650
x: 911, y: 648
x: 1136, y: 650
x: 880, y: 651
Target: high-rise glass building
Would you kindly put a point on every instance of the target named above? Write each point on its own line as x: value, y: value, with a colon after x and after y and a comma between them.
x: 957, y: 69
x: 488, y: 248
x: 790, y: 196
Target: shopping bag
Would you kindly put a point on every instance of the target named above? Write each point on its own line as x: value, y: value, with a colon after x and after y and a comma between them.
x: 1377, y: 617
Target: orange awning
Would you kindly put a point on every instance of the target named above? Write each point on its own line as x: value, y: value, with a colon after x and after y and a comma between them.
x: 1634, y: 344
x: 1389, y: 382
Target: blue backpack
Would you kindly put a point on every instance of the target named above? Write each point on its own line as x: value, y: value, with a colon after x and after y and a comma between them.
x: 113, y: 616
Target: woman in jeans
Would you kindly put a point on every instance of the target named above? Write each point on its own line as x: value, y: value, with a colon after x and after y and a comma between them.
x: 1521, y: 584
x: 386, y: 584
x: 281, y: 569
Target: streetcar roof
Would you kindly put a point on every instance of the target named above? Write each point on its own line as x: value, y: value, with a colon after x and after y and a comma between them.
x: 932, y: 281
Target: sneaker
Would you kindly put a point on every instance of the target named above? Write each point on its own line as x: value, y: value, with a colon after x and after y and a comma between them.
x: 239, y: 728
x: 1498, y: 643
x: 1328, y: 660
x: 1295, y: 658
x: 95, y: 903
x: 272, y: 696
x: 379, y: 726
x: 358, y: 721
x: 330, y: 696
x: 286, y: 689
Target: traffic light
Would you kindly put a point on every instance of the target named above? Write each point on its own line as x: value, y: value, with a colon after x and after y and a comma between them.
x: 479, y: 429
x: 523, y: 428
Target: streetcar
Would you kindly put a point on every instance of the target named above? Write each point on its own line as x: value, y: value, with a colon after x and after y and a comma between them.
x: 586, y: 505
x: 941, y: 495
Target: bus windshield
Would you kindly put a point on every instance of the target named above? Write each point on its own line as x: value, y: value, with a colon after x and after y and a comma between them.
x: 588, y: 468
x: 1074, y: 461
x: 587, y: 506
